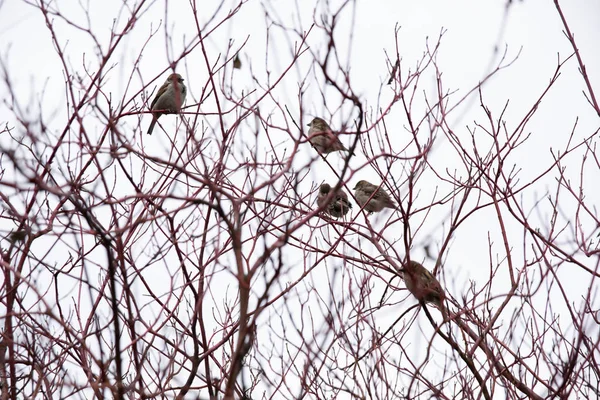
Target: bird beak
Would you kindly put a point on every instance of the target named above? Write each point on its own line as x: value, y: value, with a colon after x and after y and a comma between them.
x: 307, y: 124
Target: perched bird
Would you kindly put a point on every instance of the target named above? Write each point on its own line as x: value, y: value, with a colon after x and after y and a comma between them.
x: 20, y: 235
x: 168, y: 99
x: 237, y: 63
x: 375, y: 198
x: 422, y: 284
x: 338, y: 206
x: 322, y: 138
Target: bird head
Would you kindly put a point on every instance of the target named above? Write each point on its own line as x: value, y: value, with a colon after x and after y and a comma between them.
x: 325, y: 188
x: 318, y: 124
x: 175, y: 78
x: 360, y: 184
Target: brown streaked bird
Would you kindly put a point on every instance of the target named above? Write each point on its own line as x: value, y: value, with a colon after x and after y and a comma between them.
x: 372, y: 197
x: 168, y: 100
x: 338, y: 206
x: 422, y: 284
x: 322, y: 138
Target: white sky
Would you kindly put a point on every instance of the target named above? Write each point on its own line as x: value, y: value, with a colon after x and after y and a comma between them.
x: 533, y: 32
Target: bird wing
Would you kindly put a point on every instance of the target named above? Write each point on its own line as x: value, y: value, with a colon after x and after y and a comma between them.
x: 160, y: 92
x: 382, y: 195
x: 369, y: 189
x: 345, y: 202
x: 342, y: 195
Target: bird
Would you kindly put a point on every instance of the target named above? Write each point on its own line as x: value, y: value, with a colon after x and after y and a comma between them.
x: 168, y: 100
x: 237, y: 63
x: 322, y: 138
x: 338, y: 205
x: 372, y: 197
x: 422, y: 284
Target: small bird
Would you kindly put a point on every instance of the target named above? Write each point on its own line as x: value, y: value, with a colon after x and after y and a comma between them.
x: 375, y: 198
x: 20, y: 235
x: 168, y: 100
x: 322, y: 138
x: 237, y: 63
x: 422, y: 284
x: 338, y: 206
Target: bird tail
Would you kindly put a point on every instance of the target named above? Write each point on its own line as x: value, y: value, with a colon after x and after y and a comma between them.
x: 151, y: 128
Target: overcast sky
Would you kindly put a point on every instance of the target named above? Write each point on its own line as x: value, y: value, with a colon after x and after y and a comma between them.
x: 475, y: 35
